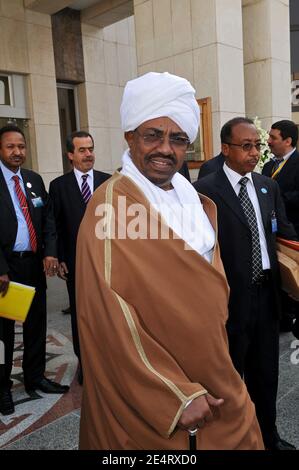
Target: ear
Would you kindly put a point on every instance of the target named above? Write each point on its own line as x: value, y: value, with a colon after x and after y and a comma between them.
x: 288, y: 141
x: 129, y: 136
x: 70, y: 156
x: 225, y: 149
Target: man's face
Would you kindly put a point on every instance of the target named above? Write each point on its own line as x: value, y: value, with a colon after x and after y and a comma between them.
x: 12, y: 150
x: 158, y: 148
x: 83, y: 155
x: 237, y: 158
x: 278, y: 146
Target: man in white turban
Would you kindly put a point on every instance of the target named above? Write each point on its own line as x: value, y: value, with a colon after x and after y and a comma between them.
x: 152, y: 293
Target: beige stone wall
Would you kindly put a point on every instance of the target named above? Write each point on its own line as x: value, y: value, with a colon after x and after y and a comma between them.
x: 26, y: 48
x: 109, y: 61
x: 266, y: 32
x: 201, y: 41
x: 197, y: 39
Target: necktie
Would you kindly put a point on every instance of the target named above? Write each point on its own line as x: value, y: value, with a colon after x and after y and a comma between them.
x: 26, y: 213
x: 257, y: 265
x: 277, y: 162
x: 85, y: 189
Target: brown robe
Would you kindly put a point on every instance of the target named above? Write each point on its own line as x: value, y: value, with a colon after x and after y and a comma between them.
x: 152, y: 319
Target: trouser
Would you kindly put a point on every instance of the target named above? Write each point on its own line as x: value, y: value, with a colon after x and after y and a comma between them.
x: 71, y: 287
x: 27, y: 271
x: 255, y: 354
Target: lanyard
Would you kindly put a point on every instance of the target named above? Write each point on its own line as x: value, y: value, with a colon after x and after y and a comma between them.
x: 278, y: 170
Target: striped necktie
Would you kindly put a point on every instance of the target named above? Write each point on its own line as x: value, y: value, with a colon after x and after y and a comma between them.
x: 277, y: 162
x: 247, y: 206
x: 85, y: 189
x: 26, y: 213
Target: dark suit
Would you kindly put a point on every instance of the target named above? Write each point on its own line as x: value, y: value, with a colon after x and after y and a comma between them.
x: 69, y: 209
x: 185, y: 171
x: 27, y: 270
x: 288, y: 181
x: 211, y: 166
x: 253, y: 308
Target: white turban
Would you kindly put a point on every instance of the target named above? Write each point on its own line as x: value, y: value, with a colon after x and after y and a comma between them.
x: 155, y: 95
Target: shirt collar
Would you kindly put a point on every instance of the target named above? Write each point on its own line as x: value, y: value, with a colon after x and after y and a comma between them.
x: 285, y: 157
x: 235, y: 177
x: 79, y: 173
x: 8, y: 174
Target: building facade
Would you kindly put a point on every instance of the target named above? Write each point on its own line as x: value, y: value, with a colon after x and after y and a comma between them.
x: 63, y: 66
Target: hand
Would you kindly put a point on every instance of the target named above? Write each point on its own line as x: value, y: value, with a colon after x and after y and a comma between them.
x: 50, y: 265
x: 62, y: 271
x: 199, y: 412
x: 4, y: 283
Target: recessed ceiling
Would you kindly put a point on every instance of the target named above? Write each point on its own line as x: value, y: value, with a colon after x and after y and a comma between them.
x: 81, y: 4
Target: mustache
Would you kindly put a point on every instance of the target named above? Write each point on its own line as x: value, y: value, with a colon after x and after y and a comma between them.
x: 162, y: 156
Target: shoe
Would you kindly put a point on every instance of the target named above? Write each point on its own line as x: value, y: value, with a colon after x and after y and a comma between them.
x: 47, y: 386
x: 66, y: 311
x: 80, y: 375
x: 281, y: 444
x: 6, y: 404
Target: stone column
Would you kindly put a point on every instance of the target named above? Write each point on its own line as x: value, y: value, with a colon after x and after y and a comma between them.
x: 201, y: 41
x: 44, y: 125
x: 266, y: 35
x: 109, y: 62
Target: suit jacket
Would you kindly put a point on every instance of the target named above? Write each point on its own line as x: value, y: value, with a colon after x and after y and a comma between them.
x: 288, y: 180
x: 185, y: 171
x: 234, y: 237
x: 69, y: 209
x: 42, y: 219
x: 211, y: 166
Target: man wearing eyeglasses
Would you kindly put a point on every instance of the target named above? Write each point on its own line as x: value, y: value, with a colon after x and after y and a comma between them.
x: 250, y: 216
x: 152, y: 294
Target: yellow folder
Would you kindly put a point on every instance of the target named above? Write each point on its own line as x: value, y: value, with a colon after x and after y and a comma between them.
x: 16, y: 303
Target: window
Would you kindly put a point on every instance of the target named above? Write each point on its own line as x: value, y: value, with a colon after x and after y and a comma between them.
x: 5, y: 88
x: 13, y: 99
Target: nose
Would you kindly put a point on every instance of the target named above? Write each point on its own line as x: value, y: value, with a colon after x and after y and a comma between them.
x: 165, y: 147
x: 254, y: 151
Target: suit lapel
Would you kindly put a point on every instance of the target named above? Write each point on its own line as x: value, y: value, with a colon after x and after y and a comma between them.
x: 288, y: 166
x: 96, y: 180
x: 228, y: 195
x: 28, y: 195
x: 74, y: 188
x: 4, y: 193
x: 261, y: 189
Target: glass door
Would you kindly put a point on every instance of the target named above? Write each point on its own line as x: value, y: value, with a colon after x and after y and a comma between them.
x: 68, y: 117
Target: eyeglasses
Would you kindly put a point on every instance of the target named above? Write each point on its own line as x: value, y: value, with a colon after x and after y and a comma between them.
x: 248, y: 146
x: 154, y: 138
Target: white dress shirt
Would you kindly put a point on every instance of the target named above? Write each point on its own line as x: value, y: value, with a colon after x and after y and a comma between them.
x: 285, y: 157
x: 89, y: 178
x: 234, y: 179
x: 22, y: 241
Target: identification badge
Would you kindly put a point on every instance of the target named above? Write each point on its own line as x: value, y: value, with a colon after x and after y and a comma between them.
x: 273, y: 222
x: 37, y: 202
